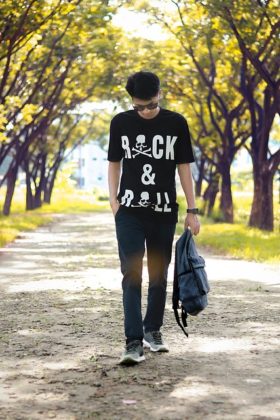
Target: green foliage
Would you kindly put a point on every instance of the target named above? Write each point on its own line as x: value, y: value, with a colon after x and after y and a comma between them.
x: 54, y: 56
x: 236, y: 240
x: 64, y: 182
x: 241, y: 241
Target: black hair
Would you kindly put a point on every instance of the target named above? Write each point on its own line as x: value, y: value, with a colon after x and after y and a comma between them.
x: 143, y: 85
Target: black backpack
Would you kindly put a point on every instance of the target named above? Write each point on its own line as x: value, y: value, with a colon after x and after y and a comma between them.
x: 190, y: 285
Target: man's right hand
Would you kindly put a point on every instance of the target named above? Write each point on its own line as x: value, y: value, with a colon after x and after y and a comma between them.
x: 114, y: 206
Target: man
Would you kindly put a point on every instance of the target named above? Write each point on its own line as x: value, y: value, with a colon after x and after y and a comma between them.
x: 146, y: 145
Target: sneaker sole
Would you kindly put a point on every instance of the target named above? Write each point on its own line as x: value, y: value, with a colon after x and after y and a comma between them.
x: 162, y: 349
x: 129, y: 360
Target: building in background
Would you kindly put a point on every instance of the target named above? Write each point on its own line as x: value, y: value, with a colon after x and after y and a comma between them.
x: 90, y: 166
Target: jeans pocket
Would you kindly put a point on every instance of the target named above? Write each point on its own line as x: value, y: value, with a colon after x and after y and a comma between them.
x: 118, y: 211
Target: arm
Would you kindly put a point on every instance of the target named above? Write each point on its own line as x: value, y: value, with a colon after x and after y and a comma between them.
x: 184, y: 171
x: 114, y: 170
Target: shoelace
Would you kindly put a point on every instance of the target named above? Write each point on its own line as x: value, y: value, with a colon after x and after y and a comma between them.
x: 157, y: 337
x: 132, y: 346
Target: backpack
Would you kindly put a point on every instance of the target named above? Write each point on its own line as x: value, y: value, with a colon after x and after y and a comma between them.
x: 190, y: 285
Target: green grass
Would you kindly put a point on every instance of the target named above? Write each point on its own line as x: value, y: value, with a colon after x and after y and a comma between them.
x: 241, y: 241
x: 237, y: 240
x: 10, y: 227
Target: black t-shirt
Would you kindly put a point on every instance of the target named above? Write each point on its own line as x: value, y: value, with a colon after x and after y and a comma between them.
x: 149, y: 150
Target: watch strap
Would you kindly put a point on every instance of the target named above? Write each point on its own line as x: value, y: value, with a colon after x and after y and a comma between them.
x: 193, y: 211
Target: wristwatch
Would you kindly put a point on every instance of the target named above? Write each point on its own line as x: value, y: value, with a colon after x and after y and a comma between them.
x: 193, y: 211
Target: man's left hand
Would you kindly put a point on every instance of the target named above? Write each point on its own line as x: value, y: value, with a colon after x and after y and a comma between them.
x: 192, y: 222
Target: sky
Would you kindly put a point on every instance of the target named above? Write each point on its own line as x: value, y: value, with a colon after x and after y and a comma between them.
x: 135, y: 23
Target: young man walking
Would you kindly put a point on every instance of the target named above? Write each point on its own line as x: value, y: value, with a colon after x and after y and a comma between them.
x: 146, y: 145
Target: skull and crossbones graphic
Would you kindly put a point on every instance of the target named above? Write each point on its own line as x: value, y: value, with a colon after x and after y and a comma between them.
x: 140, y: 146
x: 144, y: 200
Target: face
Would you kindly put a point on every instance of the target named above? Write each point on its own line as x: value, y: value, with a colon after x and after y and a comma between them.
x: 147, y: 108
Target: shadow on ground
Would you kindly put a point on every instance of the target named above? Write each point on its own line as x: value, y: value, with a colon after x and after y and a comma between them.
x: 62, y: 335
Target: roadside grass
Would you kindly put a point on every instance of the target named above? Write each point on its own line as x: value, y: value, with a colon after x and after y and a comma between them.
x: 12, y: 226
x: 70, y: 201
x: 236, y: 240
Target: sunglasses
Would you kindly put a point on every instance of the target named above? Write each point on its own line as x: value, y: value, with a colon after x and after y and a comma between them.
x: 150, y: 106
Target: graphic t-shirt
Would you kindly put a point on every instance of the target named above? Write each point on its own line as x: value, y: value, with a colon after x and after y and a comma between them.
x: 149, y: 150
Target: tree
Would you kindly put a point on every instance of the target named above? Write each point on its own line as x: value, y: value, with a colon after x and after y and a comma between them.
x: 205, y: 74
x: 256, y: 28
x: 50, y: 67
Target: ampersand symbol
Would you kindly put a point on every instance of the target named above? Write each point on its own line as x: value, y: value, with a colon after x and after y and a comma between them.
x: 147, y: 177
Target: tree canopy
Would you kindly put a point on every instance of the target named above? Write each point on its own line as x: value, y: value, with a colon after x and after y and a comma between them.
x: 218, y: 63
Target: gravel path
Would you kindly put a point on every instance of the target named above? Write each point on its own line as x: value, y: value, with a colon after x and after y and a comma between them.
x: 62, y: 335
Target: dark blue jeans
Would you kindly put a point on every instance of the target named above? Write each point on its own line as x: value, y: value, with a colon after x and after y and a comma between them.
x: 134, y: 234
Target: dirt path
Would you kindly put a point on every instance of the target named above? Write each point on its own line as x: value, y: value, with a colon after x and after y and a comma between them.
x: 62, y: 335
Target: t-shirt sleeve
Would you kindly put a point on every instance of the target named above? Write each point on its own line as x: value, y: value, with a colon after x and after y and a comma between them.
x: 183, y: 146
x: 115, y: 150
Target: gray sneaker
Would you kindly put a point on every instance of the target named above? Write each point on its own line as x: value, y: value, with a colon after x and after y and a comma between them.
x: 133, y: 354
x: 154, y: 341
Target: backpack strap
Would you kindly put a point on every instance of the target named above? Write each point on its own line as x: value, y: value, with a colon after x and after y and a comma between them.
x: 188, y: 241
x: 175, y: 295
x: 175, y: 300
x: 184, y: 320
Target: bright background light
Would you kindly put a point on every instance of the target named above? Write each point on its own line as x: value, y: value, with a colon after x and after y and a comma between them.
x: 136, y: 24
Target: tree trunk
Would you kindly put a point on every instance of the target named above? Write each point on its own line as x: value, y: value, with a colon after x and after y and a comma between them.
x: 262, y: 208
x: 212, y: 196
x: 265, y: 163
x: 39, y: 188
x: 198, y: 183
x: 49, y: 182
x: 47, y: 195
x: 11, y: 182
x: 29, y: 199
x: 50, y: 189
x: 37, y: 198
x: 29, y: 195
x: 226, y: 204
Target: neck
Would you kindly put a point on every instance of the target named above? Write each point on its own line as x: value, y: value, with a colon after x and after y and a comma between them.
x: 150, y: 115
